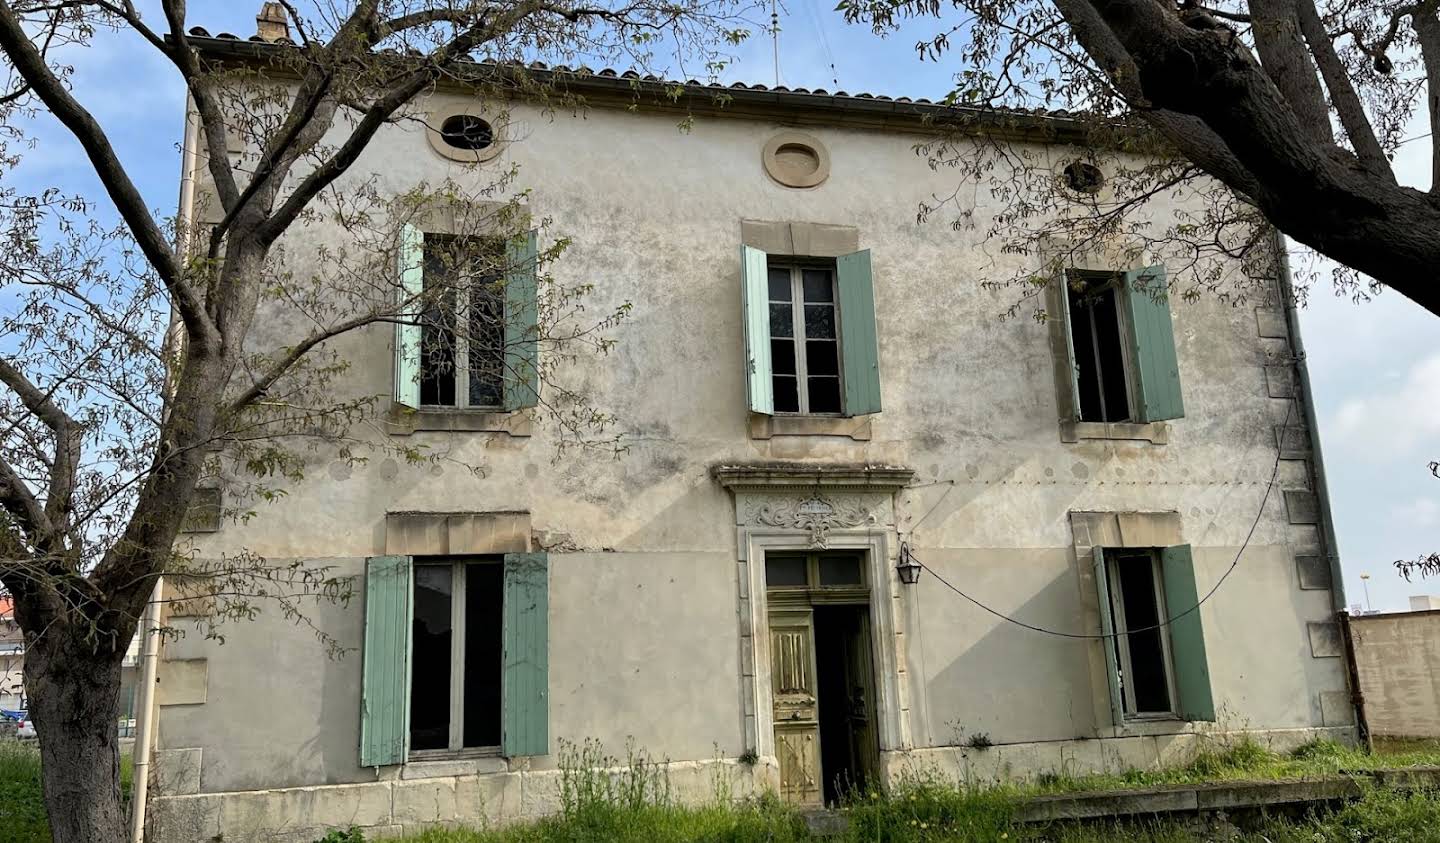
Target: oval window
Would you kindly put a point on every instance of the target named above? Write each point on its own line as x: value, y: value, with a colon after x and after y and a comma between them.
x: 466, y: 131
x: 1084, y: 177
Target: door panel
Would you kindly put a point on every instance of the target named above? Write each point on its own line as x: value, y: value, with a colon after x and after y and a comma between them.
x: 792, y: 685
x: 860, y: 678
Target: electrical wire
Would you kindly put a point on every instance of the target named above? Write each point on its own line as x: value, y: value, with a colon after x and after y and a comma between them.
x: 1270, y: 487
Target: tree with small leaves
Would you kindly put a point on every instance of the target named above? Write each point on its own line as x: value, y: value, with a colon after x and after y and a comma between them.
x: 142, y: 359
x: 1296, y: 107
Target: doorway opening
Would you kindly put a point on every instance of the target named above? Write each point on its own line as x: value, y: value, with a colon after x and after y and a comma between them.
x: 822, y: 675
x: 846, y: 726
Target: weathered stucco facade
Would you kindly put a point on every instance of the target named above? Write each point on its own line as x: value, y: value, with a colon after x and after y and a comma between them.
x: 658, y: 614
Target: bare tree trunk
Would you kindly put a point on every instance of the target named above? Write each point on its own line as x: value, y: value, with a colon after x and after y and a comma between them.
x: 74, y: 696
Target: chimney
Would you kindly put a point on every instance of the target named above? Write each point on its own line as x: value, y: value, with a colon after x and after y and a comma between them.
x: 272, y: 24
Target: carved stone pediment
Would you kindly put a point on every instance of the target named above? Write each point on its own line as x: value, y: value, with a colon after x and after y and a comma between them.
x: 816, y: 514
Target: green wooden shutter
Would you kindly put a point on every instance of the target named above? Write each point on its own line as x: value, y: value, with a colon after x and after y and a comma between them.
x: 1187, y: 634
x: 1107, y: 629
x: 859, y: 349
x: 1072, y: 366
x: 522, y: 328
x: 411, y: 259
x: 755, y: 287
x: 525, y: 677
x: 385, y: 695
x: 1155, y: 371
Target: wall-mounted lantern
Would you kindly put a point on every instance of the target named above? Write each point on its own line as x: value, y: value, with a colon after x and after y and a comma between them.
x: 907, y: 566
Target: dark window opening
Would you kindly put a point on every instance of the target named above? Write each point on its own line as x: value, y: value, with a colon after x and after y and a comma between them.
x: 1144, y: 662
x: 784, y: 570
x: 430, y: 659
x: 462, y: 278
x: 484, y: 585
x: 437, y: 656
x: 1084, y: 177
x: 466, y: 131
x: 840, y: 570
x: 1098, y: 336
x: 804, y: 340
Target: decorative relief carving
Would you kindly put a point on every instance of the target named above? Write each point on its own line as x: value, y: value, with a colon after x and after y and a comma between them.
x: 816, y: 515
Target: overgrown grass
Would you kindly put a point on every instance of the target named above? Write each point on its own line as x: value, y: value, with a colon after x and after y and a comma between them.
x: 22, y: 805
x: 22, y: 810
x: 952, y: 816
x: 607, y: 801
x: 1233, y: 759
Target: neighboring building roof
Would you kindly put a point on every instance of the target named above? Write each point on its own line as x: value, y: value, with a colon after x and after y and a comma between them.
x: 739, y: 99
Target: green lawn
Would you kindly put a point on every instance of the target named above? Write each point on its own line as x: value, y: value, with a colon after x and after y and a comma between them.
x: 22, y: 809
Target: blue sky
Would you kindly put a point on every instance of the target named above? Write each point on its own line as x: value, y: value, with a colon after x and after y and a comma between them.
x: 1375, y: 366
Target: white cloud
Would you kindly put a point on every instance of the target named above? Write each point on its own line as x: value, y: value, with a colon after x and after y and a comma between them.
x: 1423, y: 512
x: 1392, y: 417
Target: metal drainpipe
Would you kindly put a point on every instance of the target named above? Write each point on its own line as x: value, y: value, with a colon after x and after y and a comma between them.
x: 1312, y: 427
x: 1322, y: 491
x: 150, y: 625
x: 144, y: 728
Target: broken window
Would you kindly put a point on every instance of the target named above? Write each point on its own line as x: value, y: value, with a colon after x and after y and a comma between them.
x: 804, y: 339
x: 456, y: 661
x: 1098, y: 333
x: 1141, y: 642
x: 462, y: 343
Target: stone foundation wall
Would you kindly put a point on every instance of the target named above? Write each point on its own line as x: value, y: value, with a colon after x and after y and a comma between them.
x: 399, y: 802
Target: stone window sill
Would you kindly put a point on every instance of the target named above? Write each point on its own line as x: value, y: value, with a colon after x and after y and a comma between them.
x: 442, y: 764
x: 767, y: 427
x: 1156, y: 433
x: 1145, y: 727
x: 403, y: 421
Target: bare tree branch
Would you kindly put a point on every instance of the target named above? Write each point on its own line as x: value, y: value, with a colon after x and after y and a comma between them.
x: 1342, y: 91
x: 131, y: 205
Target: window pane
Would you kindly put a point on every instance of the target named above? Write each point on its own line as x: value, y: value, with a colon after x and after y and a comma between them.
x: 824, y: 395
x: 779, y: 284
x: 430, y: 659
x: 821, y: 357
x: 782, y: 357
x: 1086, y: 367
x: 784, y: 570
x: 782, y: 320
x: 818, y: 286
x: 1110, y: 348
x: 437, y: 321
x: 484, y: 586
x: 487, y: 342
x: 787, y: 394
x: 820, y: 321
x: 840, y: 570
x: 1148, y: 677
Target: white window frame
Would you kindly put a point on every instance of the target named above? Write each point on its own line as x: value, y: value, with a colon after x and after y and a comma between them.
x: 1122, y: 634
x: 796, y: 268
x: 1112, y: 281
x: 461, y: 341
x: 456, y: 747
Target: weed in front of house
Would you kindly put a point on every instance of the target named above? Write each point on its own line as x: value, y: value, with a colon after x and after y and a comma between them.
x: 22, y: 806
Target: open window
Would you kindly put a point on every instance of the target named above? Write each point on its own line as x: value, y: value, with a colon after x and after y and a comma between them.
x: 455, y: 658
x: 468, y: 336
x: 1154, y: 640
x: 1121, y: 347
x: 810, y: 335
x: 456, y: 662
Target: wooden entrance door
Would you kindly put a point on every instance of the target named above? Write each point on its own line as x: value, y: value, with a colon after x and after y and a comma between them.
x: 797, y: 722
x: 860, y: 677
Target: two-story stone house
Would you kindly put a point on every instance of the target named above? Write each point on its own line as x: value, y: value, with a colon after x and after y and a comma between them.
x: 833, y: 436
